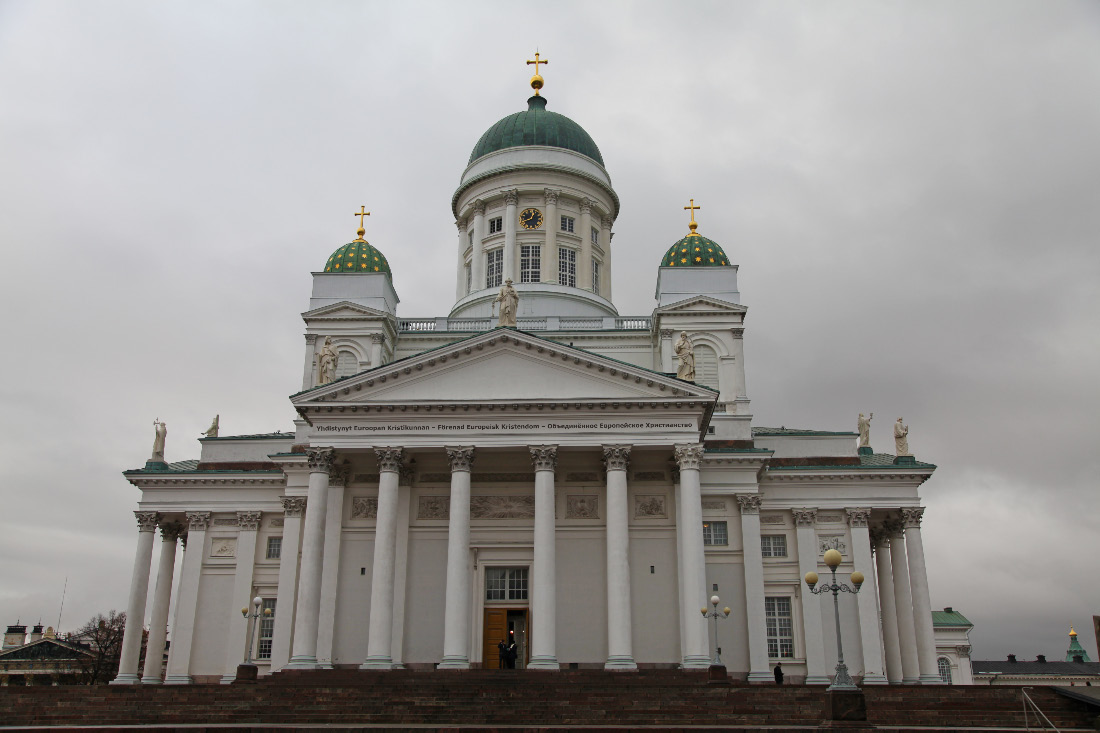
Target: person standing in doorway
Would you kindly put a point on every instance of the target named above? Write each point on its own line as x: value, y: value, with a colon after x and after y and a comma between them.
x: 778, y: 673
x: 512, y: 651
x: 502, y: 655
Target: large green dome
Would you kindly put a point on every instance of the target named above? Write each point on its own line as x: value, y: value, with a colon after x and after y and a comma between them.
x: 695, y: 250
x: 536, y: 126
x: 357, y: 256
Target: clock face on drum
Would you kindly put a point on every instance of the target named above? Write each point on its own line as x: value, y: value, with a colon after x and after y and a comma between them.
x: 530, y: 218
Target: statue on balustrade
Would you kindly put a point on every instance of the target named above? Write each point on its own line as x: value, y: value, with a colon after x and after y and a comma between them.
x: 686, y: 355
x: 509, y: 304
x: 901, y: 439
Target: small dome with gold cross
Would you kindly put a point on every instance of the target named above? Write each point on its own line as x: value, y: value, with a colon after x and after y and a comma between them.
x: 357, y: 256
x: 695, y: 250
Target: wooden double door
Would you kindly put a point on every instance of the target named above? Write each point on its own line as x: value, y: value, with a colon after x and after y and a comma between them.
x: 498, y: 623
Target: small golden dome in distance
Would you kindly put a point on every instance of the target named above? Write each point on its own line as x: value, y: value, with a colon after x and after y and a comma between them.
x: 1072, y: 632
x: 857, y: 578
x: 811, y: 578
x: 833, y: 558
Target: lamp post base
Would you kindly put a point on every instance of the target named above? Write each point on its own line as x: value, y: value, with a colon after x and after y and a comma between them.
x: 845, y: 705
x: 246, y: 674
x: 716, y: 675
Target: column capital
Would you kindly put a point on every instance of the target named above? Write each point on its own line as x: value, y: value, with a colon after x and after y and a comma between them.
x: 750, y: 503
x: 616, y: 457
x: 544, y: 457
x: 339, y: 474
x: 893, y: 528
x: 171, y: 531
x: 461, y: 225
x: 804, y: 517
x: 406, y: 473
x: 378, y: 338
x: 550, y: 196
x: 311, y: 338
x: 910, y: 517
x: 688, y: 456
x: 667, y: 333
x: 879, y: 538
x: 249, y: 520
x: 293, y: 506
x: 147, y: 521
x: 606, y: 221
x: 674, y: 469
x: 198, y: 521
x: 389, y: 459
x: 461, y: 457
x: 737, y: 333
x: 586, y: 206
x: 859, y: 517
x: 479, y: 208
x: 511, y: 197
x: 320, y: 459
x: 963, y: 650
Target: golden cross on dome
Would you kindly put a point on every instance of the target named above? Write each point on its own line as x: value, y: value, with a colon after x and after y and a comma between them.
x: 536, y: 80
x: 361, y: 213
x: 693, y: 208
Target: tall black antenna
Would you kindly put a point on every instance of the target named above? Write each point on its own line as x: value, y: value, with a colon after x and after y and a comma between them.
x: 57, y: 630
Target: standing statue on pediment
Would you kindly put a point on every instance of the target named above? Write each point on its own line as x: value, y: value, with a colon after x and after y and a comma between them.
x: 158, y: 442
x: 901, y: 439
x: 326, y: 363
x: 686, y: 355
x: 864, y: 424
x: 509, y: 304
x: 212, y: 431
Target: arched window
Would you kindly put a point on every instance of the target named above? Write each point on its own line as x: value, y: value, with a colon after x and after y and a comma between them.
x: 346, y: 364
x: 944, y: 665
x: 706, y: 366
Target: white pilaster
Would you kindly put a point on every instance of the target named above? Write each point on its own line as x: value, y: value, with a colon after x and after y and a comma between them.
x: 903, y: 600
x: 477, y: 256
x: 401, y: 562
x: 694, y: 593
x: 187, y: 604
x: 162, y: 598
x: 553, y: 224
x: 330, y: 573
x: 456, y: 616
x: 308, y: 379
x: 584, y: 257
x: 544, y: 617
x: 376, y: 341
x: 891, y: 645
x: 922, y: 601
x: 740, y: 390
x: 463, y: 243
x: 620, y: 646
x: 294, y: 507
x: 135, y: 606
x: 308, y: 608
x: 666, y: 351
x: 674, y: 467
x: 867, y: 598
x: 248, y: 524
x: 754, y: 588
x: 605, y: 242
x: 380, y: 626
x: 817, y: 672
x: 511, y: 198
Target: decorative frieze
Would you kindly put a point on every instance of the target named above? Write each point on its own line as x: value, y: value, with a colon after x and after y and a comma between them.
x: 461, y: 458
x: 582, y: 477
x: 688, y: 456
x: 294, y: 506
x: 831, y: 517
x: 389, y: 459
x: 223, y: 547
x: 650, y: 506
x: 147, y: 521
x: 249, y: 520
x: 276, y: 522
x: 433, y: 507
x: 911, y: 517
x: 649, y: 476
x: 719, y: 505
x: 860, y: 517
x: 198, y: 521
x: 364, y: 507
x: 544, y: 457
x: 320, y: 459
x: 616, y: 457
x: 364, y: 478
x: 831, y: 542
x: 498, y: 506
x: 772, y: 519
x: 582, y: 506
x: 804, y: 517
x: 750, y: 503
x: 224, y: 522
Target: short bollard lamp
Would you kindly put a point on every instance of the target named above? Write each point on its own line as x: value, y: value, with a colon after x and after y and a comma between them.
x: 714, y: 614
x: 833, y: 558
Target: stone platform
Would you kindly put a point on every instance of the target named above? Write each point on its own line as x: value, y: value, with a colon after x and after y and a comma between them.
x: 507, y: 700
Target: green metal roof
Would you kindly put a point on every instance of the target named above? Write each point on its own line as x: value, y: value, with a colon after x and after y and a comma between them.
x: 695, y: 250
x: 797, y: 431
x: 357, y: 256
x: 536, y: 126
x: 192, y: 467
x: 949, y: 618
x: 257, y: 436
x: 875, y: 460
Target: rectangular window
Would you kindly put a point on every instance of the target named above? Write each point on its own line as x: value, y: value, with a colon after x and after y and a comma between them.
x: 567, y: 224
x: 777, y: 612
x: 596, y: 276
x: 595, y: 235
x: 267, y: 628
x: 506, y: 584
x: 714, y: 533
x: 567, y: 267
x: 495, y: 261
x: 773, y: 545
x: 496, y: 225
x: 274, y: 548
x: 530, y: 263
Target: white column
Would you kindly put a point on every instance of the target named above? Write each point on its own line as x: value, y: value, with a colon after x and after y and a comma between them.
x: 666, y: 351
x: 605, y: 242
x: 903, y: 601
x: 248, y: 524
x: 376, y: 341
x: 620, y: 646
x: 307, y: 611
x: 477, y: 257
x: 135, y: 607
x: 891, y: 646
x: 754, y: 588
x: 311, y: 356
x: 456, y: 619
x: 544, y: 597
x: 922, y: 601
x: 867, y: 598
x: 584, y: 266
x: 511, y: 199
x: 187, y: 602
x: 694, y: 592
x: 463, y: 243
x: 401, y: 563
x: 549, y: 258
x: 162, y: 598
x: 380, y: 626
x: 330, y: 573
x: 283, y: 632
x: 817, y: 673
x: 674, y: 467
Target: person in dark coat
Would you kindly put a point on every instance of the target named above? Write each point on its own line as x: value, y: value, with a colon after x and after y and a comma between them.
x: 502, y: 655
x: 511, y: 651
x: 778, y: 673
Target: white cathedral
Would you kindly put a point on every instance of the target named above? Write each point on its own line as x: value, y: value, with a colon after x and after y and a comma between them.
x: 578, y: 480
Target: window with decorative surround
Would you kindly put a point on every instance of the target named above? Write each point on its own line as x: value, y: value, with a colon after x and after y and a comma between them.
x: 715, y: 533
x: 567, y: 224
x: 777, y: 613
x: 944, y: 666
x: 595, y: 276
x: 567, y: 267
x: 506, y: 584
x: 494, y: 268
x: 274, y: 548
x: 530, y: 263
x: 496, y: 226
x: 773, y: 545
x: 267, y: 628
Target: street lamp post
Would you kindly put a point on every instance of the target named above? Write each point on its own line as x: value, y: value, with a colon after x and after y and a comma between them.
x: 833, y: 558
x: 256, y: 603
x: 714, y: 615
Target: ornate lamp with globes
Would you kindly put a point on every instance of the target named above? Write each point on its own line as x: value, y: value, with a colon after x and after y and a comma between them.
x: 844, y: 698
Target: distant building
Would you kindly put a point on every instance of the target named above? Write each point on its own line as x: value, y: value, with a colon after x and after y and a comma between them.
x: 1075, y: 649
x: 1076, y: 670
x: 952, y: 632
x: 41, y: 658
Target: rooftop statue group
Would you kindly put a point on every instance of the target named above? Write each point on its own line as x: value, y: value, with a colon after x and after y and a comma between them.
x: 901, y: 434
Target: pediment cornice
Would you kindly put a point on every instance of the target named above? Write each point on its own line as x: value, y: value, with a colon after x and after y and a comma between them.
x: 345, y: 310
x: 689, y: 306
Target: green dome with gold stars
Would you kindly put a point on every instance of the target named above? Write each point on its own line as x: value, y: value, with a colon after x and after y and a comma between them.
x: 357, y: 256
x: 695, y: 250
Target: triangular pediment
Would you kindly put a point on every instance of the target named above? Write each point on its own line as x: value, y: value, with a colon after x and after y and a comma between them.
x: 701, y: 304
x: 504, y: 366
x: 345, y: 309
x: 45, y: 649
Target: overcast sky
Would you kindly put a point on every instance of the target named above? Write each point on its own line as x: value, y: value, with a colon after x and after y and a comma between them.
x: 911, y: 190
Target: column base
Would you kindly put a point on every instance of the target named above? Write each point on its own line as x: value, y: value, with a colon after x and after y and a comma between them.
x: 695, y: 661
x: 875, y: 679
x: 818, y: 679
x: 377, y: 662
x: 151, y: 681
x: 620, y: 664
x: 544, y: 662
x: 761, y: 677
x: 910, y: 680
x: 930, y: 679
x: 454, y: 662
x: 178, y: 679
x: 302, y: 662
x: 126, y: 679
x: 325, y: 665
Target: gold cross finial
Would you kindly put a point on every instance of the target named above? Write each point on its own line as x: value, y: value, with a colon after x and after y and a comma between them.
x: 536, y: 80
x: 361, y: 213
x: 693, y: 208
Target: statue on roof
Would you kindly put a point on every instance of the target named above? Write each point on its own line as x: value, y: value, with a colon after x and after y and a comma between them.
x: 212, y: 431
x: 864, y: 424
x: 509, y: 304
x: 326, y: 363
x: 901, y: 439
x: 686, y: 355
x: 158, y: 442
